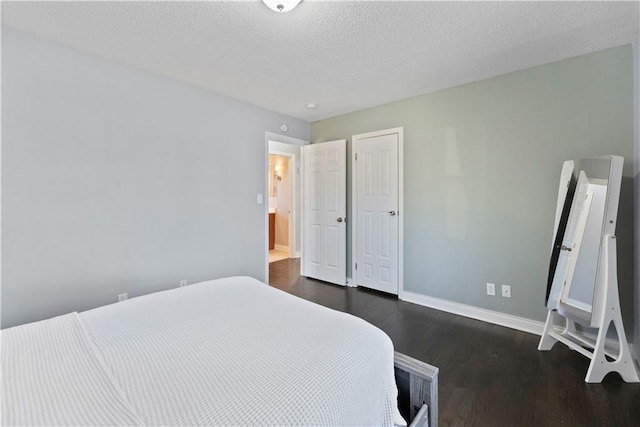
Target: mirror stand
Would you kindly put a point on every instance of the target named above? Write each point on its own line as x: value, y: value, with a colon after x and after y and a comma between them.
x: 603, y: 361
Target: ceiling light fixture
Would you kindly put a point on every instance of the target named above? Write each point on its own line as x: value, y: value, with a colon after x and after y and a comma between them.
x: 311, y: 106
x: 281, y: 5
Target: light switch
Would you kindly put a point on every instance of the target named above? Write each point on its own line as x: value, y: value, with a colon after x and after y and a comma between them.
x: 259, y: 199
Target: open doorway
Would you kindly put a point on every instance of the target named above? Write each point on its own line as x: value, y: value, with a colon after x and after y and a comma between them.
x: 283, y: 223
x: 281, y: 209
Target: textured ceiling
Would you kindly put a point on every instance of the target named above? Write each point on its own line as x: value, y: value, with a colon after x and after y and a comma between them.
x: 343, y: 56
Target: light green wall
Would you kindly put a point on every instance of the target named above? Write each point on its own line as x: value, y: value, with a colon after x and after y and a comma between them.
x: 481, y: 168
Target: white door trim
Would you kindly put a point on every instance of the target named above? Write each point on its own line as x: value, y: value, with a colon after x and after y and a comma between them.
x: 353, y: 219
x: 270, y: 136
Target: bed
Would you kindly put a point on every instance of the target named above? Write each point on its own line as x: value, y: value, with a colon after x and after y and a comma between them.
x: 231, y: 351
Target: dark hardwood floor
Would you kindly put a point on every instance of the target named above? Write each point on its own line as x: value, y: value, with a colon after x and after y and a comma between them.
x: 489, y: 375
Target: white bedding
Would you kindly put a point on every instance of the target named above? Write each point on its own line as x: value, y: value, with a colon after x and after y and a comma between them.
x: 226, y: 352
x: 51, y: 376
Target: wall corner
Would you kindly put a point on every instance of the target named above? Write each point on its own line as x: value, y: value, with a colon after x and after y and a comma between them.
x: 636, y: 183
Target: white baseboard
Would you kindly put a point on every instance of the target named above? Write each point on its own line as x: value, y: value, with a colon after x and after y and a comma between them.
x: 497, y: 318
x: 298, y: 254
x: 634, y: 355
x: 278, y: 247
x: 490, y: 316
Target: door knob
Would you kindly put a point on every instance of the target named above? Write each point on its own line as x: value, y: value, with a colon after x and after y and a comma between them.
x: 392, y: 213
x: 339, y: 219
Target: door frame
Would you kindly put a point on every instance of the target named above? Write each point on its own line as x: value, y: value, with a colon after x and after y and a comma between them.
x: 284, y: 139
x: 353, y: 280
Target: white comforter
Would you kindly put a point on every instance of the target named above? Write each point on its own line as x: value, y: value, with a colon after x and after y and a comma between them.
x: 225, y: 352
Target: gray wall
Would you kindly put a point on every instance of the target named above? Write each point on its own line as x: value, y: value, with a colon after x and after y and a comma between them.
x: 636, y: 173
x: 481, y: 169
x: 116, y: 180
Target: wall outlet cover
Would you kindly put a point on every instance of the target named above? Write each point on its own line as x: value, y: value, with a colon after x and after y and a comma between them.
x: 506, y: 291
x: 491, y: 289
x: 122, y: 297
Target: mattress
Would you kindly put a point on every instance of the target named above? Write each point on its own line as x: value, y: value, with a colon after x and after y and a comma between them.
x: 224, y: 352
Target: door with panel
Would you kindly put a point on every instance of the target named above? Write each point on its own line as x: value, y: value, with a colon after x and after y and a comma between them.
x: 376, y: 208
x: 324, y: 210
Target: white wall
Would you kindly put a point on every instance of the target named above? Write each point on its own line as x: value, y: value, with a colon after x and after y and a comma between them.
x: 112, y: 181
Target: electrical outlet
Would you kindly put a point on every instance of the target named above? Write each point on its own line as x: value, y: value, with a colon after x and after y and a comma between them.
x: 491, y: 289
x: 122, y: 297
x: 506, y: 291
x: 183, y: 283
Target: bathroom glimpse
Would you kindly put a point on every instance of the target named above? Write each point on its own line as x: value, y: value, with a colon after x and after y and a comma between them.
x: 279, y: 207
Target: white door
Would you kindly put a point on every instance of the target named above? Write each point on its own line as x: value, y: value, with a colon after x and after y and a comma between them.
x: 325, y: 206
x: 376, y: 188
x: 571, y: 243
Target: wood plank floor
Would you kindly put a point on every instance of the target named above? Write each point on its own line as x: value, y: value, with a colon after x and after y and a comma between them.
x: 489, y: 375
